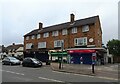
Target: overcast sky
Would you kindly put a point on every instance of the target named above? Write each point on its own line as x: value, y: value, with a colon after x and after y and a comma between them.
x: 19, y: 17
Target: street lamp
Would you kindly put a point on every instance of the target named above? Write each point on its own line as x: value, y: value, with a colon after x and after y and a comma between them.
x: 61, y: 57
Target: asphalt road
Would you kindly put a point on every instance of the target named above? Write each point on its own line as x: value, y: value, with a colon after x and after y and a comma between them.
x: 45, y: 74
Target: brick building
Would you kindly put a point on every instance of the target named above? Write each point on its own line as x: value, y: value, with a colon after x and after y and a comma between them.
x: 82, y: 33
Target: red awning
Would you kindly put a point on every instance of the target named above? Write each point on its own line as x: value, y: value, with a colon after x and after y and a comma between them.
x: 81, y: 51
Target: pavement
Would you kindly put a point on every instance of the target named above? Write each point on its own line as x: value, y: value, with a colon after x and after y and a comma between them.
x: 107, y: 70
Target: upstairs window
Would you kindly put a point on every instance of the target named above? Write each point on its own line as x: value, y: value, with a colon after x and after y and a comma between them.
x: 33, y: 37
x: 80, y: 41
x: 27, y: 38
x: 64, y: 32
x: 46, y: 35
x: 38, y: 36
x: 85, y: 28
x: 42, y: 45
x: 55, y: 33
x: 58, y: 43
x: 29, y: 46
x: 74, y: 30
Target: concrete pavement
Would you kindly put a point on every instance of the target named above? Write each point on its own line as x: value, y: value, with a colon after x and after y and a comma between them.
x: 108, y: 70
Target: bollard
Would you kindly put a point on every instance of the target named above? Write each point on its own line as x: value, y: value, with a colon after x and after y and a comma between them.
x: 59, y: 65
x: 93, y: 70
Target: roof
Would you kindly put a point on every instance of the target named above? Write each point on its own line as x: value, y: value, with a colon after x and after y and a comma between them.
x: 61, y: 26
x: 15, y: 47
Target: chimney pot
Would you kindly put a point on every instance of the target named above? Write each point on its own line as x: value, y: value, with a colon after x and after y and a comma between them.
x: 13, y: 43
x: 72, y: 17
x: 40, y: 25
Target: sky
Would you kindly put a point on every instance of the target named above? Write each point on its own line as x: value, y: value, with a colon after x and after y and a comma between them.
x: 18, y: 17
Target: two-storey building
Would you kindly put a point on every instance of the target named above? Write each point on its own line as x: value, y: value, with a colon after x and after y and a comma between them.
x: 82, y: 33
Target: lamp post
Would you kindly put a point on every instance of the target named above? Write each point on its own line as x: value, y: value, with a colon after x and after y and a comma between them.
x: 61, y: 57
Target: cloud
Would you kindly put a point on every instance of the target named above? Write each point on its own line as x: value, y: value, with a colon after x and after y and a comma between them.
x: 22, y: 16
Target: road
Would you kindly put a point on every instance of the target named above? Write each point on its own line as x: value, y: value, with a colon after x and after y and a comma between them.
x: 45, y: 74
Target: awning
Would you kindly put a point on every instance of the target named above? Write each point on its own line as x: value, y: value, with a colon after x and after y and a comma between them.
x: 81, y: 51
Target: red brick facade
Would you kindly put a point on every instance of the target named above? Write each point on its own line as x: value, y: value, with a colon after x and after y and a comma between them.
x: 94, y: 32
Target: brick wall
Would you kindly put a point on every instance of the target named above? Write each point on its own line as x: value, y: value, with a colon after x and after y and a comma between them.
x: 69, y: 39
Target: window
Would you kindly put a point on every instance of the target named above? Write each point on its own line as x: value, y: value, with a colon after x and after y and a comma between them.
x: 55, y: 33
x: 42, y: 45
x: 80, y: 41
x: 74, y: 30
x: 27, y: 38
x: 58, y: 43
x: 38, y: 36
x: 46, y: 35
x: 29, y: 45
x: 64, y: 32
x: 85, y: 28
x: 33, y: 37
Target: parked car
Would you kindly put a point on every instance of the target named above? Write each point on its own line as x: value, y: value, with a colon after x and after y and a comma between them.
x: 11, y: 61
x: 31, y: 62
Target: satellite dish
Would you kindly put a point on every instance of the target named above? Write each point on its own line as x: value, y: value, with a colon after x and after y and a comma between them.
x: 91, y: 40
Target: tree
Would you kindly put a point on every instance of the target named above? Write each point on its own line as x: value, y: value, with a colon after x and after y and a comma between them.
x: 114, y: 47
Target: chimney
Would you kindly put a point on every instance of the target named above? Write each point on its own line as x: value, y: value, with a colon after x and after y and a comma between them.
x: 72, y: 17
x: 13, y: 43
x: 40, y: 25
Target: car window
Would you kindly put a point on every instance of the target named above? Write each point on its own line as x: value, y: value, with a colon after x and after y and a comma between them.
x: 6, y: 59
x: 12, y: 58
x: 28, y: 60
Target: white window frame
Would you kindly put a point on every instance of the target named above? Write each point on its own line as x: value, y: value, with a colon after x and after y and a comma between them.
x: 27, y: 38
x: 38, y: 36
x: 55, y: 33
x: 85, y: 28
x: 33, y: 37
x: 80, y: 41
x: 57, y: 43
x: 74, y: 30
x: 28, y: 45
x: 64, y: 32
x: 42, y: 45
x: 46, y: 34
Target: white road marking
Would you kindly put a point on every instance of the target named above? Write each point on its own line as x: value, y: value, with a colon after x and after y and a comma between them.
x: 107, y: 78
x: 83, y: 75
x: 60, y: 72
x: 50, y: 79
x: 13, y: 72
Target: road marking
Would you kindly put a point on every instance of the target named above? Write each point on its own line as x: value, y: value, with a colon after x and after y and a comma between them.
x: 13, y: 72
x: 50, y: 79
x: 83, y: 75
x: 72, y: 73
x: 107, y: 78
x: 60, y: 72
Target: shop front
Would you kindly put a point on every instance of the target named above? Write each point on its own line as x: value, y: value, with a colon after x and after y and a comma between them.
x: 86, y: 56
